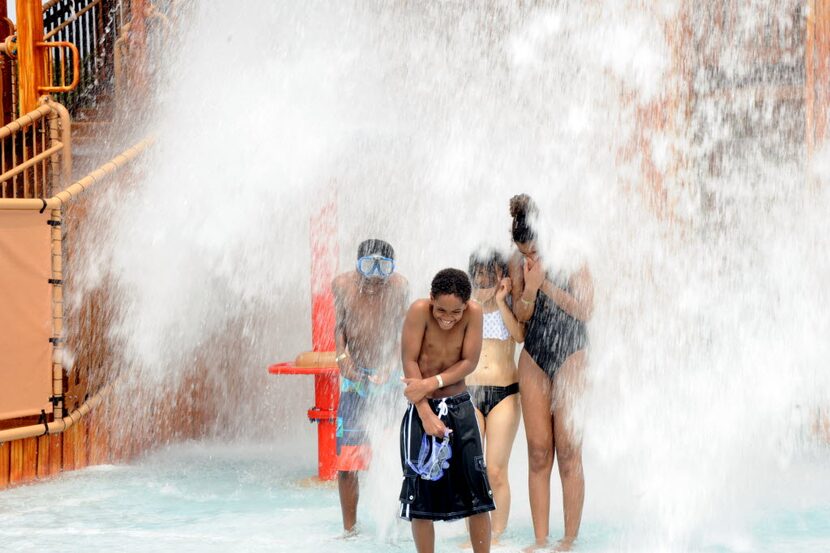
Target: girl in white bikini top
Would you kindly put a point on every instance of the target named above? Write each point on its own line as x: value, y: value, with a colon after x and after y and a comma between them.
x: 494, y: 327
x: 501, y: 331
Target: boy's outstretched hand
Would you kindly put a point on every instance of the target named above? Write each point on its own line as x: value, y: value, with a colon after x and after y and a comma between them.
x: 434, y: 426
x: 418, y: 388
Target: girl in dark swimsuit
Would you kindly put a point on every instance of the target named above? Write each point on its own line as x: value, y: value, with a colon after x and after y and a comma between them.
x: 556, y: 311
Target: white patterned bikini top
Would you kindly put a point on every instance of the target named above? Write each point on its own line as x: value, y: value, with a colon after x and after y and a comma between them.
x: 494, y: 327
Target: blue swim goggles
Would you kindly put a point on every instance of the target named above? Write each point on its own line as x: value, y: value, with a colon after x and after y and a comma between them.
x: 375, y: 265
x: 432, y: 461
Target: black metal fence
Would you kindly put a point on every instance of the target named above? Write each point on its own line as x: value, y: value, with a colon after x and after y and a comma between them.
x: 92, y: 26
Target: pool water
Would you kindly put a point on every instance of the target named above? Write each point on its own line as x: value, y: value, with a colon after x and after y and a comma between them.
x: 217, y: 497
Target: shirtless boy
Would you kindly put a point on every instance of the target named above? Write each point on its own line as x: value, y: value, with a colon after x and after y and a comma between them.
x: 445, y: 476
x: 370, y: 303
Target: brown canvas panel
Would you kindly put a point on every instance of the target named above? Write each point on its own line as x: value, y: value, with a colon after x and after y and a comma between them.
x: 25, y: 314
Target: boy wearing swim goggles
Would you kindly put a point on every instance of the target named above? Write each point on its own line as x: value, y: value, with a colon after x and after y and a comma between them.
x: 370, y: 303
x: 375, y: 266
x: 445, y: 476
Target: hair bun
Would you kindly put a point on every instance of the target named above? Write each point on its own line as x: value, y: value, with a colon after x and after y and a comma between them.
x: 521, y: 205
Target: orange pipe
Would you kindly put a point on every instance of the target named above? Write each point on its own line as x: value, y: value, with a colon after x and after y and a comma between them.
x: 30, y: 58
x: 76, y: 67
x: 320, y: 362
x: 42, y: 156
x: 316, y: 359
x: 65, y: 133
x: 24, y: 121
x: 293, y: 368
x: 57, y: 312
x: 60, y: 424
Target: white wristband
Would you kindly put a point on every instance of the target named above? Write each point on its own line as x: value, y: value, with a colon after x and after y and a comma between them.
x: 440, y: 380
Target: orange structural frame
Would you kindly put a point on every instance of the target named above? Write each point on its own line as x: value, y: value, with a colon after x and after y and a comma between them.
x: 323, y: 412
x: 321, y: 366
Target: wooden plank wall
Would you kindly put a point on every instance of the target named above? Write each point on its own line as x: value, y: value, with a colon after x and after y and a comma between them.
x: 41, y: 457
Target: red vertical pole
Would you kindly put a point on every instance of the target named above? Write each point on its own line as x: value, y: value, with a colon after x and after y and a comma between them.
x: 324, y: 254
x: 323, y: 270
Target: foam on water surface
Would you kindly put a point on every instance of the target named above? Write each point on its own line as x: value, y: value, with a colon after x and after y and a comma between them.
x: 210, y: 497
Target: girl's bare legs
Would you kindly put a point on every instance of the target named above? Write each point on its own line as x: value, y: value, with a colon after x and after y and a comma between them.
x: 482, y: 426
x: 568, y: 385
x: 502, y: 425
x: 535, y: 389
x: 498, y: 432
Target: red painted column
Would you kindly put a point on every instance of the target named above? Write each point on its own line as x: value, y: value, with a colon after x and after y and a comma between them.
x: 324, y: 253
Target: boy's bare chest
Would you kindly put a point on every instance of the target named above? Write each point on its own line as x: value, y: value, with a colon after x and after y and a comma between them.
x: 369, y: 315
x: 442, y: 348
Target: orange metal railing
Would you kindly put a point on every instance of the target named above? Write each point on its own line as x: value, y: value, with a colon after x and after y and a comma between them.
x: 76, y: 188
x: 92, y: 26
x: 35, y: 150
x: 58, y: 63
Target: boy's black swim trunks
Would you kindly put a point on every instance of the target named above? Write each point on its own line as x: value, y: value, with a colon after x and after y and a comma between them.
x: 463, y: 490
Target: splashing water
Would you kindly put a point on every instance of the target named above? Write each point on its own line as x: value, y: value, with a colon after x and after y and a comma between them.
x: 709, y: 340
